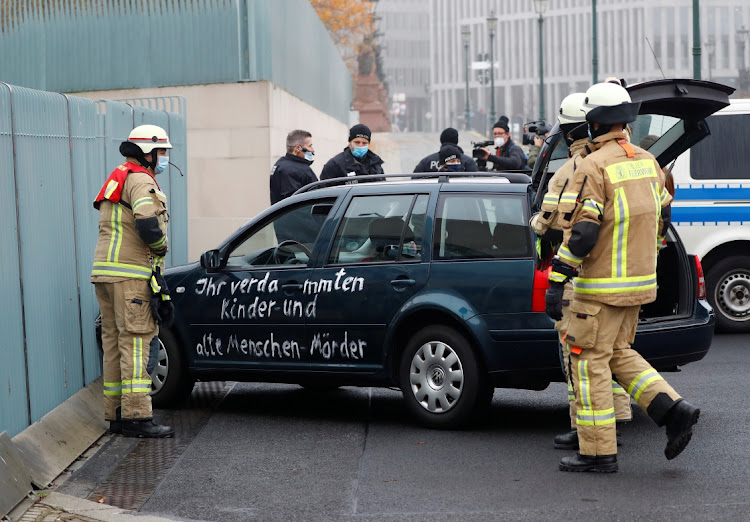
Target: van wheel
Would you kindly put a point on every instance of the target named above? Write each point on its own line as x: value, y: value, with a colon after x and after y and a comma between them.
x: 728, y: 291
x: 441, y: 380
x: 171, y: 382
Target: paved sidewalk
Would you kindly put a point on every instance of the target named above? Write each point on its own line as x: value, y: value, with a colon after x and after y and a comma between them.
x: 58, y: 507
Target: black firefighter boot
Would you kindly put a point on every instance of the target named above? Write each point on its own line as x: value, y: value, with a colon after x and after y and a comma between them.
x: 569, y: 440
x: 115, y: 426
x: 679, y: 420
x: 598, y: 464
x: 146, y: 429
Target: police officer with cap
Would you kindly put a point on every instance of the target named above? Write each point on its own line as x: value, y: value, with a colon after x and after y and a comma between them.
x: 356, y: 159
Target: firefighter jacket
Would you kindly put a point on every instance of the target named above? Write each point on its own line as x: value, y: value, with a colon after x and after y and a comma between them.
x: 132, y: 226
x: 615, y: 204
x: 548, y: 217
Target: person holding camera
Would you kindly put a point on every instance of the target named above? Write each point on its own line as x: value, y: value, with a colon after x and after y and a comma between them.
x: 432, y: 163
x: 536, y: 147
x: 508, y: 155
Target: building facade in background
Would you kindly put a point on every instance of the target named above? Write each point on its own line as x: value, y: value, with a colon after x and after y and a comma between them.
x: 632, y: 37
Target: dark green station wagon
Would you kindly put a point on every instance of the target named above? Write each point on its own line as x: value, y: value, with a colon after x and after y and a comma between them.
x: 426, y: 284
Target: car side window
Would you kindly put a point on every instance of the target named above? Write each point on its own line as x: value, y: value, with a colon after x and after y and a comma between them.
x: 481, y: 226
x: 287, y: 239
x: 714, y: 157
x: 381, y: 229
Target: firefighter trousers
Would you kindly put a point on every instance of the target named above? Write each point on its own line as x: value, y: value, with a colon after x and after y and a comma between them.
x: 127, y: 330
x: 599, y: 337
x: 620, y: 397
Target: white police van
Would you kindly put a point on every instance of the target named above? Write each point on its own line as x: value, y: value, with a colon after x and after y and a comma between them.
x: 711, y: 212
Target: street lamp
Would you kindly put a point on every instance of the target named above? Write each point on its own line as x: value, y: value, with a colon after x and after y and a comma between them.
x: 710, y: 45
x: 492, y: 27
x: 741, y: 37
x: 540, y: 6
x: 466, y: 38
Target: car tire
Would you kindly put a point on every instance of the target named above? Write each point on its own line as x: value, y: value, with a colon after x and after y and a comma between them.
x: 171, y: 381
x: 431, y: 395
x: 728, y: 291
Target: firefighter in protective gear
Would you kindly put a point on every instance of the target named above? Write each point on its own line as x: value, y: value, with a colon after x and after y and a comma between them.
x: 130, y: 250
x: 548, y: 226
x: 619, y: 211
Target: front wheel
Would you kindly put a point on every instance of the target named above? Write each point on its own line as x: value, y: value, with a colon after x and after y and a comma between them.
x: 441, y: 379
x: 728, y: 291
x: 171, y: 382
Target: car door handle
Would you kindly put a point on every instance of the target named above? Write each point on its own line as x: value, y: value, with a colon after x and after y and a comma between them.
x: 292, y: 286
x: 403, y: 282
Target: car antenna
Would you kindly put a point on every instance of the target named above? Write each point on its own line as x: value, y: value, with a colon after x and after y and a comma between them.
x: 655, y: 58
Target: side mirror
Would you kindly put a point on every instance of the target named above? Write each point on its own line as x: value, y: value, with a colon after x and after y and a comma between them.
x: 211, y: 259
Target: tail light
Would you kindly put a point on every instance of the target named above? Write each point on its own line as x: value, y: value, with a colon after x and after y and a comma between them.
x: 701, y: 280
x: 541, y: 284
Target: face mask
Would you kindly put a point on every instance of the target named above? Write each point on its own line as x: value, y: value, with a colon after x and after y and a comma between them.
x: 309, y: 156
x: 162, y: 165
x: 454, y: 167
x: 499, y: 142
x: 358, y: 152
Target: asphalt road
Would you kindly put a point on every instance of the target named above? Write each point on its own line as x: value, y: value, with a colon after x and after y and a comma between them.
x: 278, y: 452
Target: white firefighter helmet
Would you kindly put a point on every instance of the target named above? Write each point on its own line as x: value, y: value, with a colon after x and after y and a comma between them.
x: 608, y: 104
x: 149, y: 137
x: 571, y: 109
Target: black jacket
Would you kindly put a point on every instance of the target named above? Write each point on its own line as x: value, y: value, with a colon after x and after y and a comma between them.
x: 509, y: 157
x: 430, y: 163
x: 289, y: 174
x: 344, y: 163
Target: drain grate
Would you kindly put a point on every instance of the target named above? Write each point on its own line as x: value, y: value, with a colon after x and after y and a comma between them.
x: 138, y: 475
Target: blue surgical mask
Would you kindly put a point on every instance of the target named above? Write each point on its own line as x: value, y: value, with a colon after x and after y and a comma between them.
x: 309, y: 156
x: 454, y: 167
x: 359, y: 152
x: 162, y: 165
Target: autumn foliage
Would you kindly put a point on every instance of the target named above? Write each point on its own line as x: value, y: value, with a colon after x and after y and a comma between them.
x: 349, y: 22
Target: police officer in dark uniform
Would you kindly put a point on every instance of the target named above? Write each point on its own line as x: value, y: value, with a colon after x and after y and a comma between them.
x: 508, y: 155
x: 431, y: 163
x: 293, y: 170
x: 356, y: 159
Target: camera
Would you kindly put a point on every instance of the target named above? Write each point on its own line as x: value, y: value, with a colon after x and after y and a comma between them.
x: 534, y: 128
x: 476, y: 145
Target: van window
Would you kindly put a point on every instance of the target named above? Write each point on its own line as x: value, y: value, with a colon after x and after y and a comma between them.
x: 722, y: 155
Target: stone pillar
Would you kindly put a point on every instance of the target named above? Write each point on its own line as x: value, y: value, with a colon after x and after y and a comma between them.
x: 370, y: 97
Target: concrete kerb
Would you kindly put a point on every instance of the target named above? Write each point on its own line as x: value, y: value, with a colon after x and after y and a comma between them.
x: 43, y: 450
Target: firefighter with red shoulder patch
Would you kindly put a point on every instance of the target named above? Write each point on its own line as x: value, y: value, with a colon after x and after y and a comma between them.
x: 548, y: 225
x: 128, y: 259
x: 610, y: 246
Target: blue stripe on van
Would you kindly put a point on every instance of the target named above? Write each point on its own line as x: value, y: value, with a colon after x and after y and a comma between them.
x: 710, y: 215
x: 712, y: 193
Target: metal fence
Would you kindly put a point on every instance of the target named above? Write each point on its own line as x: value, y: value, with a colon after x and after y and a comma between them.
x: 95, y: 45
x: 56, y: 152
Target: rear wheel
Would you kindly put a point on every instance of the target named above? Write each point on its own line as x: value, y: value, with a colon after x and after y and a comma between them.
x: 441, y: 379
x: 171, y: 381
x: 728, y: 291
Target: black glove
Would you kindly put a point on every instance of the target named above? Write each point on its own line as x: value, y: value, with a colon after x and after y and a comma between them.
x: 553, y: 300
x: 166, y: 312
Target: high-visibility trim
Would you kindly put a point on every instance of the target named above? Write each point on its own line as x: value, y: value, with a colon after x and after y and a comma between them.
x: 142, y: 201
x: 620, y: 234
x: 156, y: 262
x: 160, y: 243
x: 564, y: 253
x: 108, y: 268
x: 642, y: 381
x: 631, y: 170
x: 112, y: 388
x: 658, y: 203
x: 586, y: 417
x: 584, y: 384
x: 115, y: 240
x: 155, y: 286
x: 160, y: 193
x: 593, y: 206
x: 551, y: 199
x: 571, y: 392
x: 616, y: 388
x: 111, y: 187
x: 613, y: 285
x: 137, y: 386
x: 664, y: 196
x: 137, y: 354
x: 557, y: 277
x: 568, y: 197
